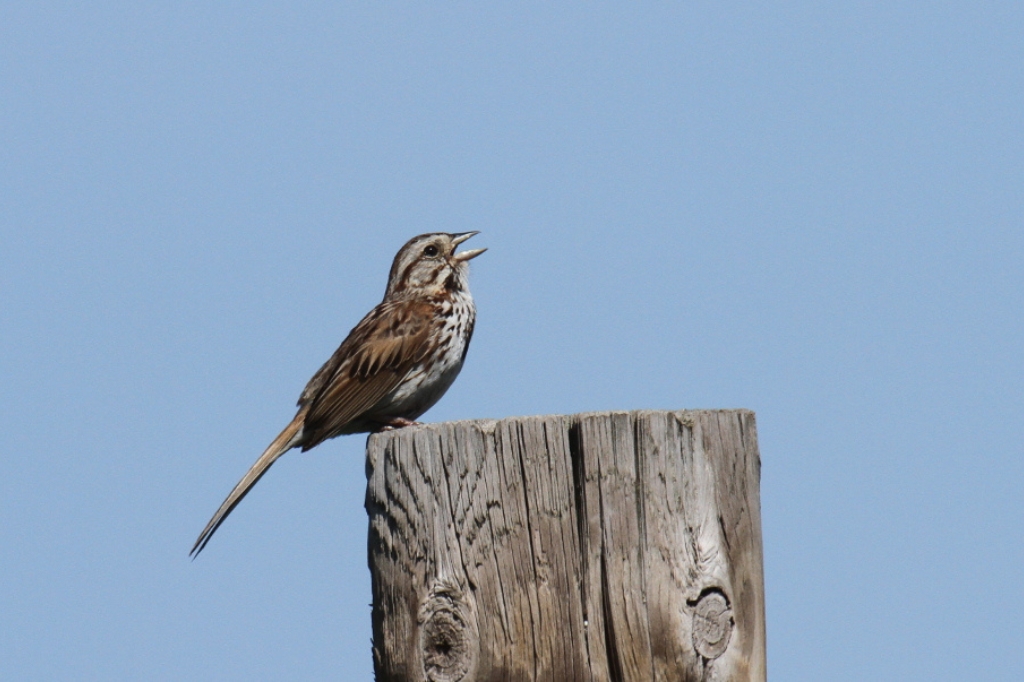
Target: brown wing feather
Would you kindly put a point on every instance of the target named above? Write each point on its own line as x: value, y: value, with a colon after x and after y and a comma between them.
x: 372, y: 361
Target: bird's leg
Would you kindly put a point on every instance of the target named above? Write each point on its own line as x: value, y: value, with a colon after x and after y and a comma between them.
x: 392, y: 423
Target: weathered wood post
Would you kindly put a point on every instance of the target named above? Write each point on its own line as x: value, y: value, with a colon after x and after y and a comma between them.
x: 603, y: 546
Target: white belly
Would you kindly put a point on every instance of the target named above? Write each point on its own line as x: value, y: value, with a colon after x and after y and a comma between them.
x: 427, y: 382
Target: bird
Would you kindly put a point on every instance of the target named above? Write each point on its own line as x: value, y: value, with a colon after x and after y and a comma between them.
x: 391, y: 368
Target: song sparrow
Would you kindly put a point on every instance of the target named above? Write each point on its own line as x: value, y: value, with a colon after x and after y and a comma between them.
x: 393, y: 366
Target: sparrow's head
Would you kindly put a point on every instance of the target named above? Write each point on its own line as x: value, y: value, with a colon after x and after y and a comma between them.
x: 428, y: 265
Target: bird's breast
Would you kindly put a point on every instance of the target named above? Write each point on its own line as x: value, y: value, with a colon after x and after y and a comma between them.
x: 429, y: 379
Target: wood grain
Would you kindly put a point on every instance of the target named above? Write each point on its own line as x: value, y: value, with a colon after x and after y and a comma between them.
x: 603, y: 546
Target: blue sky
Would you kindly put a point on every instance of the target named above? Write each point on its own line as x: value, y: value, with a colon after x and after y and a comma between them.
x: 812, y: 211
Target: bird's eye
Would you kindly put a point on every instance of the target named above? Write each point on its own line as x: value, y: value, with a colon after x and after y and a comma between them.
x: 430, y: 251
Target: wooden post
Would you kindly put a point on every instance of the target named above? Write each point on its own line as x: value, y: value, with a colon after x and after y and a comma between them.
x: 604, y: 546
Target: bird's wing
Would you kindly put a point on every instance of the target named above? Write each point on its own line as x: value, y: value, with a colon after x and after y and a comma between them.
x: 372, y: 361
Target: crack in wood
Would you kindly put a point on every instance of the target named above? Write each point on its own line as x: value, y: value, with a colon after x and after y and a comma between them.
x: 605, y: 546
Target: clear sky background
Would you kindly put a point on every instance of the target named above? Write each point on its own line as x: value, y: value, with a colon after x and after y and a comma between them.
x: 812, y: 210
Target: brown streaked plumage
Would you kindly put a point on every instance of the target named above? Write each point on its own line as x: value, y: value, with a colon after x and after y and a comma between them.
x: 393, y: 366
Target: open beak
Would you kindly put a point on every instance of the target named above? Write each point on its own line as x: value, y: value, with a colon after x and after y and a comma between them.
x: 465, y: 255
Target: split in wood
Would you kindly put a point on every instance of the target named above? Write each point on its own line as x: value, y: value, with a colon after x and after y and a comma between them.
x: 604, y: 546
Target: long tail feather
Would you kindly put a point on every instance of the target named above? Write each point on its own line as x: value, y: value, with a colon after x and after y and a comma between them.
x: 284, y: 442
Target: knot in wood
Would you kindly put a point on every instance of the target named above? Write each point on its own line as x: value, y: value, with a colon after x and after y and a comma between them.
x: 446, y: 635
x: 712, y: 624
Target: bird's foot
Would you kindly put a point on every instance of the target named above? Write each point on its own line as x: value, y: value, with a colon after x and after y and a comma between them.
x: 397, y: 423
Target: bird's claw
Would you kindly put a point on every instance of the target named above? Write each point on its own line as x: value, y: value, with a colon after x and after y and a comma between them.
x: 397, y: 423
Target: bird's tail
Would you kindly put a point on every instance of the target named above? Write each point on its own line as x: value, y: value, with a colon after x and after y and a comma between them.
x: 284, y: 442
